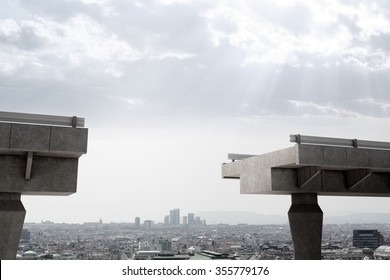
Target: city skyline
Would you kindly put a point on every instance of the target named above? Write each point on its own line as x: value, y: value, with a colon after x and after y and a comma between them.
x: 169, y: 87
x: 237, y: 217
x: 126, y: 241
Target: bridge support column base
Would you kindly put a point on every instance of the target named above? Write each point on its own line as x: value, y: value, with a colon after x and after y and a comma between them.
x: 305, y: 217
x: 12, y: 215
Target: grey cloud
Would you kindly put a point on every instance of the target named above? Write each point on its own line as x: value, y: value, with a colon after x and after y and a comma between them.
x: 210, y: 83
x: 153, y: 28
x: 29, y: 40
x: 381, y: 41
x: 59, y: 9
x: 62, y: 10
x: 26, y: 39
x: 350, y: 23
x: 223, y: 90
x: 161, y: 27
x: 177, y: 89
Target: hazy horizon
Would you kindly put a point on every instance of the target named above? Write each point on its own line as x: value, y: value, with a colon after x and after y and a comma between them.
x: 252, y: 218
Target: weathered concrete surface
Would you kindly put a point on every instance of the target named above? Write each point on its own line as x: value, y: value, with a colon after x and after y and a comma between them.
x: 5, y: 132
x: 51, y: 141
x: 29, y: 138
x: 55, y: 152
x: 49, y: 176
x: 12, y: 215
x: 318, y: 169
x: 34, y: 160
x: 68, y: 140
x: 305, y: 218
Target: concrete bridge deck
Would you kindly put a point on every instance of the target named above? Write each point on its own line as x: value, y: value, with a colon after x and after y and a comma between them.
x: 38, y: 156
x: 305, y: 171
x: 40, y: 159
x: 325, y: 170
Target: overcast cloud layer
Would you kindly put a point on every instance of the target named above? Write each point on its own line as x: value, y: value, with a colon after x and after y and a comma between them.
x: 169, y: 72
x: 332, y: 56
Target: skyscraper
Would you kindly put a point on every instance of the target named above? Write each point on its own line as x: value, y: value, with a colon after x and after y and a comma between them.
x: 166, y: 220
x: 137, y: 222
x: 148, y: 224
x: 174, y: 216
x: 191, y: 219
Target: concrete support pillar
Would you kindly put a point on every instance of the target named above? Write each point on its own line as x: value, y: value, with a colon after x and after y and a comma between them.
x: 12, y: 215
x: 305, y: 217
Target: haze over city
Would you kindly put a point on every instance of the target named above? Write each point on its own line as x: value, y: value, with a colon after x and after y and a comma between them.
x: 169, y: 87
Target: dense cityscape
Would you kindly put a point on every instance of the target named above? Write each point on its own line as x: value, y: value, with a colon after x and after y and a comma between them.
x: 191, y: 238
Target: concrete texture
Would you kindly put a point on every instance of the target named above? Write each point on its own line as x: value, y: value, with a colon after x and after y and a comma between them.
x: 49, y: 176
x: 34, y: 160
x: 68, y: 140
x: 55, y: 152
x: 305, y: 218
x: 324, y: 170
x: 12, y: 215
x: 51, y: 141
x: 29, y: 138
x: 5, y: 132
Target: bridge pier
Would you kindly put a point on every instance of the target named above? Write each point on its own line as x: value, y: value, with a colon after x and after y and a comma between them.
x: 305, y: 217
x: 12, y: 215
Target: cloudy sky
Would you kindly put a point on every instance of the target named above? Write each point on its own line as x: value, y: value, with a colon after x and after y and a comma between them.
x: 169, y: 87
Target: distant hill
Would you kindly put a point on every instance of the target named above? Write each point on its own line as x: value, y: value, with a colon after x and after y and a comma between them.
x: 362, y: 218
x: 242, y: 217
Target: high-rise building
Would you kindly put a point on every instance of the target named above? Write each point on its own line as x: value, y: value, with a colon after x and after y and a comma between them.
x: 166, y: 220
x: 367, y: 239
x: 148, y: 224
x: 184, y: 220
x: 174, y: 217
x: 191, y: 219
x: 171, y: 215
x: 137, y: 222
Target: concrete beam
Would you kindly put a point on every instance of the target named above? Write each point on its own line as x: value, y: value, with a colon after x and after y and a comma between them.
x: 29, y: 138
x: 39, y: 159
x: 50, y: 141
x: 49, y: 176
x: 255, y: 172
x: 5, y: 135
x: 319, y: 169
